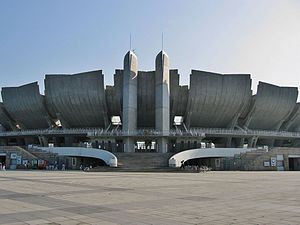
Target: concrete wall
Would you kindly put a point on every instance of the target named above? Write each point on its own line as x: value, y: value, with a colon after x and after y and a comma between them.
x: 258, y: 162
x: 77, y: 100
x: 146, y: 99
x: 217, y: 100
x: 293, y: 121
x: 178, y: 96
x: 26, y: 106
x: 5, y: 120
x: 114, y: 95
x: 271, y: 106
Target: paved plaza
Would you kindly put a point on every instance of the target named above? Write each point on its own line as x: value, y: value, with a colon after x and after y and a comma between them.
x: 40, y: 197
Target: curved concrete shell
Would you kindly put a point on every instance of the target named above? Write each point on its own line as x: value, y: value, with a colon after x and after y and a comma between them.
x: 109, y: 158
x: 114, y: 95
x: 217, y: 100
x: 293, y: 121
x: 146, y: 99
x: 178, y: 96
x: 271, y: 106
x: 5, y: 120
x: 77, y: 100
x: 26, y: 106
x: 175, y: 160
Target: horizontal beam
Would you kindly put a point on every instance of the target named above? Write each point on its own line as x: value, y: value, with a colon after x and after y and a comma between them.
x: 200, y: 132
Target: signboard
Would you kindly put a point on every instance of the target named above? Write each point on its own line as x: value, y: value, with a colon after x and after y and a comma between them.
x: 273, y: 161
x: 13, y: 156
x: 19, y: 160
x: 267, y: 163
x: 279, y: 157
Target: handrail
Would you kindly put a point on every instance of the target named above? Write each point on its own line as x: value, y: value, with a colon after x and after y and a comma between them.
x: 197, y: 132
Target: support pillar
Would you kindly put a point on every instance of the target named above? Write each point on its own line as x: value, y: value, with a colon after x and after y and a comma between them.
x: 129, y: 118
x: 43, y: 141
x: 162, y: 100
x: 162, y: 145
x: 252, y: 142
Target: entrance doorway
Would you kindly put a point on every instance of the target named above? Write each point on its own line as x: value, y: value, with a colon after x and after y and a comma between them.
x: 212, y: 162
x: 3, y: 159
x: 294, y: 163
x: 145, y: 146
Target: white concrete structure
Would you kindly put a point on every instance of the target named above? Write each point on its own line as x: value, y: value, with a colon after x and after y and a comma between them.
x: 109, y: 158
x: 175, y: 160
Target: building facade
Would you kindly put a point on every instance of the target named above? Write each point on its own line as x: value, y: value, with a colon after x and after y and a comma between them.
x: 149, y: 111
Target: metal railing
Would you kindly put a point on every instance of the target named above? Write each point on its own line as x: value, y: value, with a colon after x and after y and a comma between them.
x: 193, y: 132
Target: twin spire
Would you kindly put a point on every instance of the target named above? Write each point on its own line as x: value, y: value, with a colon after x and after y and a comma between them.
x: 160, y: 91
x: 162, y: 55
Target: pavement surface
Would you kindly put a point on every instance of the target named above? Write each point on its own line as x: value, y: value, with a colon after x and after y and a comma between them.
x: 65, y: 197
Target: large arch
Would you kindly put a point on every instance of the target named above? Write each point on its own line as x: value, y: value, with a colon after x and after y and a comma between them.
x: 175, y: 160
x: 217, y: 100
x: 109, y: 158
x: 26, y: 106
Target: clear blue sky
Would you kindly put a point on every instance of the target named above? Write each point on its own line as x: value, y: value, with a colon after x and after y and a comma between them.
x: 260, y: 37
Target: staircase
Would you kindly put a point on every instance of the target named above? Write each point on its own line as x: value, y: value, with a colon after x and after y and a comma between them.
x: 143, y: 160
x: 18, y: 150
x: 48, y: 156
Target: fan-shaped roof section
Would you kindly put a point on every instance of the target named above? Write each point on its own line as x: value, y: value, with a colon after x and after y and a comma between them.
x: 217, y: 100
x: 271, y: 106
x: 77, y: 100
x: 26, y: 106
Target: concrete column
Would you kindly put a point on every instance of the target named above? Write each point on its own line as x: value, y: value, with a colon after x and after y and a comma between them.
x: 252, y: 142
x: 162, y: 99
x: 129, y: 117
x: 228, y: 142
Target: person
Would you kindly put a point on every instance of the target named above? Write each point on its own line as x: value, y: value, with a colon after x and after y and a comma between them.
x: 81, y: 167
x: 63, y: 167
x: 0, y: 166
x: 182, y: 164
x: 3, y: 168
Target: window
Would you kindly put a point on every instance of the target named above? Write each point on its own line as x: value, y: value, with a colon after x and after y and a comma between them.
x: 116, y: 120
x: 178, y: 120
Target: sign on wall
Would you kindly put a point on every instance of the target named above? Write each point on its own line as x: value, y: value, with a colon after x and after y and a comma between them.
x: 273, y: 161
x: 267, y: 163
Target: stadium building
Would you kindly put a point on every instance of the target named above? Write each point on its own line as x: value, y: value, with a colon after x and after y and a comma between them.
x: 148, y: 113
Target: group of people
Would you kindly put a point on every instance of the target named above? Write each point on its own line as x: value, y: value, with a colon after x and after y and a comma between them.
x: 55, y: 166
x: 197, y: 168
x: 2, y: 166
x: 85, y: 168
